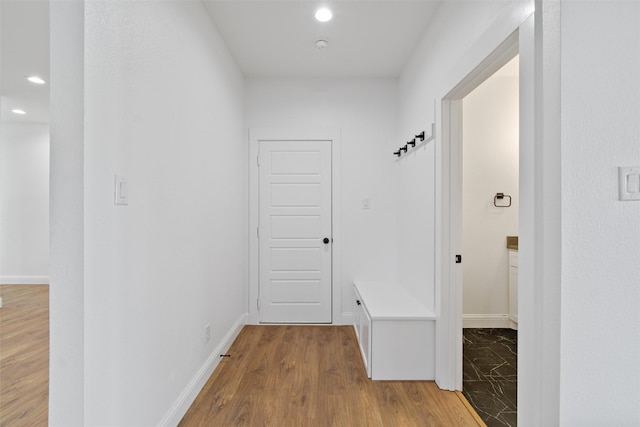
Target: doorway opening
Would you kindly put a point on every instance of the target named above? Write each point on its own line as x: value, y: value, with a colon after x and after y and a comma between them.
x: 24, y: 212
x: 519, y: 42
x: 490, y: 195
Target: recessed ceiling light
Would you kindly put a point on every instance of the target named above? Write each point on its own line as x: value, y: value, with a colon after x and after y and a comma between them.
x: 324, y: 15
x: 35, y: 79
x: 18, y: 111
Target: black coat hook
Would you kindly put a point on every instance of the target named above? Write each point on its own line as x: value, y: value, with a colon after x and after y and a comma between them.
x: 420, y: 136
x: 397, y: 153
x: 412, y: 142
x: 404, y: 148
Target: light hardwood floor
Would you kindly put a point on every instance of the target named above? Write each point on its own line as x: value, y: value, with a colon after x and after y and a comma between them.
x: 314, y: 376
x: 277, y: 376
x: 24, y: 355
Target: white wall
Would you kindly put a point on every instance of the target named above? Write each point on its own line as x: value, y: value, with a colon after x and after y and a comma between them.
x: 163, y: 107
x: 66, y: 221
x: 365, y: 112
x: 461, y: 36
x: 424, y: 82
x: 594, y: 363
x: 490, y: 166
x: 600, y: 300
x: 24, y: 203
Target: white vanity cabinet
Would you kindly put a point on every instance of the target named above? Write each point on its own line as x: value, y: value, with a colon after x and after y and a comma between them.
x: 513, y: 288
x: 395, y: 332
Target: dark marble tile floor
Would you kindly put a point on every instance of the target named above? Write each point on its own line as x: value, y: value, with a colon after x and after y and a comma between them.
x: 490, y: 374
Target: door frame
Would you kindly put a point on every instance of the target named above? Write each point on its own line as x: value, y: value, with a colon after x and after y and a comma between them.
x: 294, y: 134
x: 513, y: 36
x: 452, y: 137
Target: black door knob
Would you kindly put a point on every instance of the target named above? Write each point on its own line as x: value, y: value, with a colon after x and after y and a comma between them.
x: 325, y: 240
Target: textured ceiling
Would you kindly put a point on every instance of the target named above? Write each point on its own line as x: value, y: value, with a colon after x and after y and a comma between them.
x: 267, y: 38
x: 366, y: 38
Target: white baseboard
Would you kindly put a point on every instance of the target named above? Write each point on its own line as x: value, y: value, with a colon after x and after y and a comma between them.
x: 486, y: 321
x: 347, y: 319
x: 189, y: 394
x: 24, y: 280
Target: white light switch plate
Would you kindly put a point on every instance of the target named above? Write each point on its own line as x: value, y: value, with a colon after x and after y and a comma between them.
x: 121, y: 190
x: 629, y: 183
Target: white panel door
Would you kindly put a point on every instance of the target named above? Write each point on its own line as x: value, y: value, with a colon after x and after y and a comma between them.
x: 295, y: 231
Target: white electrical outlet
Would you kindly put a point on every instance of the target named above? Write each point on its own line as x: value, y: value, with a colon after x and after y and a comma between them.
x: 207, y: 332
x: 366, y: 203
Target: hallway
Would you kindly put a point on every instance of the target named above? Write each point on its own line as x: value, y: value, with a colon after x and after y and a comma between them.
x: 314, y: 376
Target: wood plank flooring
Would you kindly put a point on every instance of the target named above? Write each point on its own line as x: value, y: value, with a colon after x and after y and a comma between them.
x: 24, y: 355
x: 314, y: 376
x: 277, y: 376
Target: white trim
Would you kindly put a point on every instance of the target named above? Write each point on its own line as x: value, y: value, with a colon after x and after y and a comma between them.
x: 539, y: 247
x: 452, y: 230
x: 486, y: 321
x: 189, y: 394
x: 24, y: 280
x: 496, y: 46
x: 279, y: 134
x: 348, y: 319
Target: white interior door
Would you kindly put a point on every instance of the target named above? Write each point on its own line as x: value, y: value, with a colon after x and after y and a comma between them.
x: 295, y: 232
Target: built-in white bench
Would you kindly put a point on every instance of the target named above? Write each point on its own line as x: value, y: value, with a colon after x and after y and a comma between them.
x: 396, y: 333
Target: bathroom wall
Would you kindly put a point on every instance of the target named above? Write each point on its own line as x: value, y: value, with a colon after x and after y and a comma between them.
x: 490, y: 166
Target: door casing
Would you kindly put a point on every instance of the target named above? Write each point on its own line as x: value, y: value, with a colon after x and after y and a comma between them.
x: 294, y: 134
x: 491, y: 52
x: 452, y: 160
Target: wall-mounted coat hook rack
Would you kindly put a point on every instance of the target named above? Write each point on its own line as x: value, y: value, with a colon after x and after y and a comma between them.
x: 415, y: 144
x: 501, y: 196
